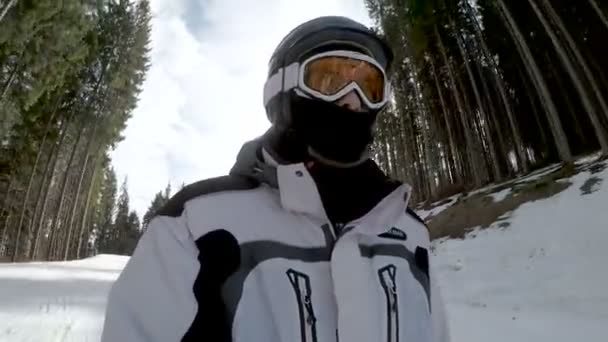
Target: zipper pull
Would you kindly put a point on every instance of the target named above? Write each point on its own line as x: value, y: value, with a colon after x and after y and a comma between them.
x: 338, y: 229
x: 393, y: 293
x: 310, y: 319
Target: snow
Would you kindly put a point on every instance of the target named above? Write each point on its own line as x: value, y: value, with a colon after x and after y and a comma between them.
x: 541, y: 279
x: 537, y: 174
x: 56, y: 301
x: 588, y: 159
x: 501, y: 195
x: 437, y: 208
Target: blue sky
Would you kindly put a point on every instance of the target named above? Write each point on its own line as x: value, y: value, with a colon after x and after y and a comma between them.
x: 202, y: 98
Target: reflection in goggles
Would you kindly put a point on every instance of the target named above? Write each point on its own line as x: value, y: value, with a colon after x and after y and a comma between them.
x: 328, y: 75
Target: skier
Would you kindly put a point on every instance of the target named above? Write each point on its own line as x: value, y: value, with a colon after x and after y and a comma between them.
x: 306, y: 239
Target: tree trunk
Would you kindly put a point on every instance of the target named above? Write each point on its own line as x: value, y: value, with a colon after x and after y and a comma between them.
x: 64, y: 184
x: 405, y: 135
x: 30, y: 182
x: 9, y: 83
x: 398, y: 150
x: 390, y: 147
x: 5, y: 210
x: 595, y: 120
x: 85, y: 227
x: 557, y: 130
x: 83, y: 168
x: 566, y: 96
x: 578, y: 56
x: 424, y: 154
x: 599, y: 12
x: 485, y: 125
x: 422, y: 182
x: 40, y: 222
x: 444, y: 110
x: 494, y: 122
x: 8, y: 6
x: 72, y: 213
x: 537, y: 116
x: 4, y: 238
x: 396, y: 164
x: 32, y: 227
x: 597, y: 68
x: 467, y: 134
x: 7, y: 195
x: 382, y: 142
x: 479, y: 163
x: 500, y: 84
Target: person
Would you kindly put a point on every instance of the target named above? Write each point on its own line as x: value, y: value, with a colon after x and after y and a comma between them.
x: 306, y: 239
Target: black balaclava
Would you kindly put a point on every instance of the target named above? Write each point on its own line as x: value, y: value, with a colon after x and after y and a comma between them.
x: 333, y: 134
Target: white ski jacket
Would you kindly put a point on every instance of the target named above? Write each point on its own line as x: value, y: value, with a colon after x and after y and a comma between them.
x: 231, y: 259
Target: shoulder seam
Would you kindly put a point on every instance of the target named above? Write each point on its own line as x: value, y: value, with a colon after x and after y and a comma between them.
x: 175, y: 206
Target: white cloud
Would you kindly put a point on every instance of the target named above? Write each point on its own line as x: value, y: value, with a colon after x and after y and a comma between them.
x: 203, y: 95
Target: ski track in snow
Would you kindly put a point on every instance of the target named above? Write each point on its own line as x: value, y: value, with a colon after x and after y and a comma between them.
x: 541, y: 280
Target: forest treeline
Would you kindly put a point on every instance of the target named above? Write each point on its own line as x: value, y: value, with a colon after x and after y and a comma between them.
x: 487, y: 90
x: 484, y: 91
x: 70, y: 75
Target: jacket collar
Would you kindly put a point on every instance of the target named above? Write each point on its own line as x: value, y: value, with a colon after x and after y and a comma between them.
x: 299, y: 191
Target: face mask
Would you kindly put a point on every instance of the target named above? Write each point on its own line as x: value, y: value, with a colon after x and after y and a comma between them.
x: 331, y: 132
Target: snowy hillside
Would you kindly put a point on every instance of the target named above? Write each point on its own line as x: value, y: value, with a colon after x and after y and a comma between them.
x: 542, y: 278
x: 49, y: 302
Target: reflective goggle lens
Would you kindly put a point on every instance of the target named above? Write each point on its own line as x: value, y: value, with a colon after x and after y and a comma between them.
x: 328, y: 75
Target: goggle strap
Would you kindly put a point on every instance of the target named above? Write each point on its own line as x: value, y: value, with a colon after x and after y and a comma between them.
x: 273, y: 86
x: 283, y: 80
x: 291, y: 76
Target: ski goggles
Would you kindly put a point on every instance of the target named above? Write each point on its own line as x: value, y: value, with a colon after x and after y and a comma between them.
x: 331, y: 75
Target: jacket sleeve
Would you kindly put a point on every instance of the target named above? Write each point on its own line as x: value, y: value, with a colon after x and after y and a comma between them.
x: 440, y: 323
x: 153, y: 298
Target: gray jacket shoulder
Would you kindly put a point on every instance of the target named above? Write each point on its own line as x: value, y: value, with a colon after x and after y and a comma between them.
x: 175, y: 206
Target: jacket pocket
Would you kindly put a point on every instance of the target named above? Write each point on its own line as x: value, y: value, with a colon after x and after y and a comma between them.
x: 301, y: 287
x: 387, y: 280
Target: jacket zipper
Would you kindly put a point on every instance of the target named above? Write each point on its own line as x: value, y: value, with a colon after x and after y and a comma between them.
x: 303, y: 292
x: 338, y: 228
x: 387, y: 280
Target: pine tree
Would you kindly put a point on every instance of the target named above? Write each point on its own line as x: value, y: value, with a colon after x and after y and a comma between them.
x: 127, y: 228
x: 132, y: 235
x: 121, y: 222
x: 104, y: 219
x: 159, y: 201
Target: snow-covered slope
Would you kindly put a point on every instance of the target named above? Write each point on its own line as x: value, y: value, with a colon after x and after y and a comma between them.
x: 59, y: 301
x: 542, y: 279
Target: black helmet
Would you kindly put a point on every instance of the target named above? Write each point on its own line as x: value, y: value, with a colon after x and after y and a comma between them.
x: 315, y: 36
